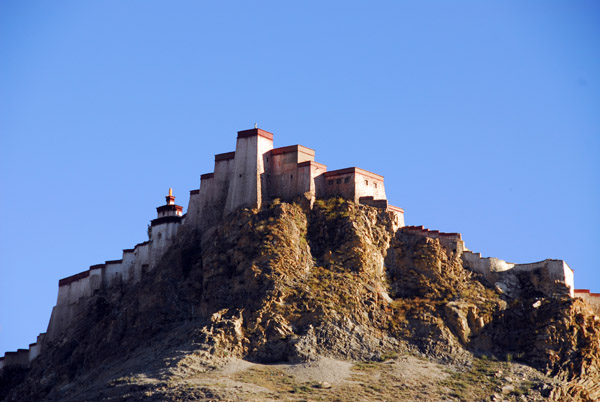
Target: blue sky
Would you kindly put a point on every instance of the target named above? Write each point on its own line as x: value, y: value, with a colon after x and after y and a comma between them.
x: 482, y: 116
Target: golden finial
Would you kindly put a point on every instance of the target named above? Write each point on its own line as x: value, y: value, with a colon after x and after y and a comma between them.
x: 170, y: 192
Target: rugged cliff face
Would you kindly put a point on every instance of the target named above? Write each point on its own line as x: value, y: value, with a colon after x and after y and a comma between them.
x: 296, y: 284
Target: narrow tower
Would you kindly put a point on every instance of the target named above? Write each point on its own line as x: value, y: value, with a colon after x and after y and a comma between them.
x: 248, y: 182
x: 164, y: 228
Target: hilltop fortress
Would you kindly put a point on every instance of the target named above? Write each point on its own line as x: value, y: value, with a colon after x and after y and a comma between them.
x: 256, y: 173
x: 252, y: 176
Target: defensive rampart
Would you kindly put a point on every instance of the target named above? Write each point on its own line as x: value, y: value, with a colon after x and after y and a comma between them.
x: 451, y: 241
x: 550, y: 277
x: 23, y: 357
x: 593, y: 299
x: 134, y: 263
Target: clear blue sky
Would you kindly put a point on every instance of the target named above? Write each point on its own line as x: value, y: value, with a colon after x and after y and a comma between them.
x: 483, y: 116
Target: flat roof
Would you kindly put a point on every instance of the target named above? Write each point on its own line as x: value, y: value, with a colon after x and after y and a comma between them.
x: 308, y: 163
x: 293, y: 148
x: 354, y: 169
x: 255, y: 132
x: 73, y: 278
x: 224, y: 156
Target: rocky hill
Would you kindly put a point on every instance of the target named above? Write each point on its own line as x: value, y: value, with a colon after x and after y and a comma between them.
x: 324, y: 302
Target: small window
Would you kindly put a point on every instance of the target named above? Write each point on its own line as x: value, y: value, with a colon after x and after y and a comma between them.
x: 338, y: 181
x: 240, y: 175
x: 291, y: 176
x: 330, y: 182
x: 375, y: 184
x: 346, y: 180
x: 366, y: 182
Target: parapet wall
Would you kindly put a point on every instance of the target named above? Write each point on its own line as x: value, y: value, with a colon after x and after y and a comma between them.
x: 129, y: 269
x: 396, y: 214
x: 451, y: 241
x: 549, y: 276
x: 23, y: 357
x: 593, y: 299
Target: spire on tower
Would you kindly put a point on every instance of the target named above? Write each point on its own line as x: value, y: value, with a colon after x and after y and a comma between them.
x: 170, y: 198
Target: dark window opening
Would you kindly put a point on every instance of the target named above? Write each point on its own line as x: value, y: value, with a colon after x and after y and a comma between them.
x: 291, y: 176
x: 240, y: 175
x: 338, y: 181
x: 330, y: 182
x: 346, y: 180
x: 366, y: 182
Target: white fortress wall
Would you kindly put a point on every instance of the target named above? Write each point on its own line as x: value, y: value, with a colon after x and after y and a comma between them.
x: 368, y: 184
x: 558, y: 270
x: 96, y: 277
x: 128, y: 264
x: 23, y: 357
x: 79, y: 289
x: 352, y: 183
x: 61, y: 317
x: 20, y: 358
x: 72, y: 288
x: 214, y: 188
x: 593, y: 299
x: 34, y: 351
x: 142, y: 260
x: 223, y: 172
x: 193, y: 210
x: 162, y: 237
x: 338, y: 183
x: 113, y: 273
x: 488, y: 267
x: 205, y: 194
x: 398, y: 216
x: 264, y: 143
x: 286, y: 178
x: 286, y: 159
x: 246, y: 185
x: 38, y: 348
x: 309, y: 175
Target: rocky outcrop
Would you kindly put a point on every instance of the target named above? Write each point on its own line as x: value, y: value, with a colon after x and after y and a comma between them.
x: 291, y: 282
